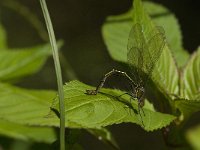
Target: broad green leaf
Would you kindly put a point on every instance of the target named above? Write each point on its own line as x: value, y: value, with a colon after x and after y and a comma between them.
x: 103, y: 109
x: 82, y: 111
x: 27, y: 133
x: 193, y: 136
x: 28, y: 107
x: 165, y: 73
x: 190, y: 87
x: 19, y: 63
x: 116, y: 29
x: 104, y: 135
x: 163, y: 17
x: 3, y: 43
x: 115, y: 33
x: 187, y: 107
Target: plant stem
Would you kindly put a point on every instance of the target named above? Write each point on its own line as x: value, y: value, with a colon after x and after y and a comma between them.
x: 58, y: 72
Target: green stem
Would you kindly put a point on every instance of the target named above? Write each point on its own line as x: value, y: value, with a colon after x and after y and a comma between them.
x: 58, y: 73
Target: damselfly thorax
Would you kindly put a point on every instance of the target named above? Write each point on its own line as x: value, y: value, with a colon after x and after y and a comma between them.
x: 139, y: 95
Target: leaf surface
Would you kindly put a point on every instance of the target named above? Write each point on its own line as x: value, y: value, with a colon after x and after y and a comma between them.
x: 26, y: 107
x: 23, y: 132
x: 116, y: 29
x: 190, y: 87
x: 32, y: 107
x: 161, y: 16
x: 21, y: 62
x: 106, y: 108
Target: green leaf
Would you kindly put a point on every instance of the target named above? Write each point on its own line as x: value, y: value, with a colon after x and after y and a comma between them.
x: 103, y: 109
x: 115, y: 33
x: 193, y: 136
x: 18, y: 63
x: 190, y: 91
x: 3, y: 43
x: 116, y: 29
x: 22, y: 132
x: 84, y: 111
x: 187, y: 107
x: 163, y: 17
x: 27, y: 107
x: 190, y: 87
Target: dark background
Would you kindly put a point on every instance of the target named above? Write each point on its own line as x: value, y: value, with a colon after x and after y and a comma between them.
x: 78, y: 23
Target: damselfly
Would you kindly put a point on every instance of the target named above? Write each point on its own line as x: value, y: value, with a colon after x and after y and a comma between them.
x: 144, y: 51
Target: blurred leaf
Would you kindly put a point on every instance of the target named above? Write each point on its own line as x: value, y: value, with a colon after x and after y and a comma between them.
x: 116, y: 29
x: 187, y: 107
x: 26, y: 106
x: 104, y: 135
x: 24, y: 132
x: 19, y: 63
x: 190, y: 87
x: 89, y: 111
x: 3, y: 43
x: 163, y: 17
x: 115, y: 33
x: 193, y: 136
x: 20, y: 145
